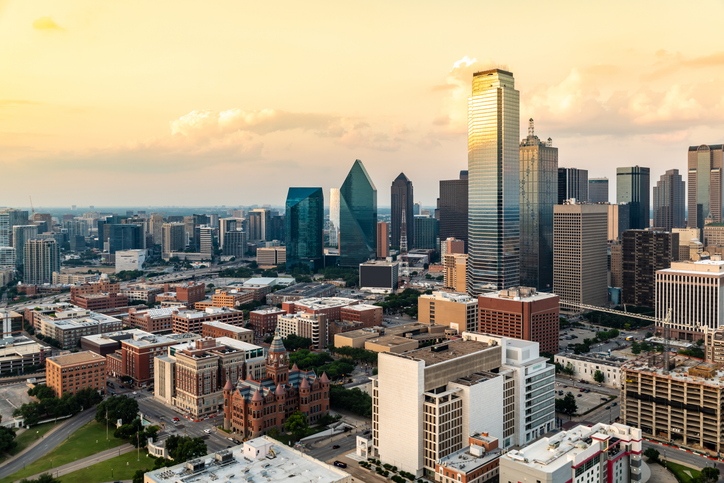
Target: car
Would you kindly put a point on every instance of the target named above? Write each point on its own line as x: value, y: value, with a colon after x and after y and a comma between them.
x: 207, y: 430
x: 583, y: 389
x: 336, y: 446
x: 578, y: 395
x: 599, y: 384
x: 134, y: 393
x: 608, y: 407
x: 604, y: 399
x: 587, y: 390
x: 560, y: 393
x: 614, y: 404
x: 230, y: 439
x: 565, y: 385
x: 340, y: 464
x: 176, y: 419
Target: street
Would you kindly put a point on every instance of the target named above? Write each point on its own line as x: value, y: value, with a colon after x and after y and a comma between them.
x: 677, y: 454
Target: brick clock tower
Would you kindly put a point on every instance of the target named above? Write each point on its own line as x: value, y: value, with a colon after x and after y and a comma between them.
x: 277, y: 362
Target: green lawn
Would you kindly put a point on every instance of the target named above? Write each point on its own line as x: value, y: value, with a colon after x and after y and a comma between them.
x: 123, y: 467
x: 88, y: 440
x: 289, y: 439
x: 678, y: 471
x: 27, y: 438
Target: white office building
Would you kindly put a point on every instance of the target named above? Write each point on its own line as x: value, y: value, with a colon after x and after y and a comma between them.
x: 130, y: 260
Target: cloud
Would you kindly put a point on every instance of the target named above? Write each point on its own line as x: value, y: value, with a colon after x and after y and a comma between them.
x: 46, y: 23
x: 15, y: 102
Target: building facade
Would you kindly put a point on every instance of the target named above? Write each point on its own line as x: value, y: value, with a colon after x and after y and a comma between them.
x: 598, y: 190
x: 401, y: 199
x: 455, y: 272
x: 455, y: 310
x: 618, y: 220
x: 644, y: 252
x: 72, y: 372
x: 358, y: 217
x: 22, y: 233
x: 264, y: 321
x: 670, y: 201
x: 633, y: 187
x: 41, y: 258
x: 572, y: 184
x: 452, y: 209
x: 426, y: 233
x: 305, y: 228
x: 310, y: 326
x: 705, y: 185
x: 383, y: 240
x: 173, y: 238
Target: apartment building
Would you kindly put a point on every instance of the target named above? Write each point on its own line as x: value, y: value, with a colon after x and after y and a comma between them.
x: 455, y: 266
x: 602, y: 453
x: 72, y: 372
x: 216, y: 329
x: 521, y: 313
x: 184, y: 321
x: 310, y: 325
x: 135, y: 358
x: 152, y: 320
x: 32, y: 315
x: 69, y: 326
x: 458, y: 311
x: 102, y: 286
x: 330, y: 307
x: 264, y: 321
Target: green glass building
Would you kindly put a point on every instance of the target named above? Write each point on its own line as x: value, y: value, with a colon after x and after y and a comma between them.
x: 305, y: 227
x: 357, y: 217
x: 426, y: 233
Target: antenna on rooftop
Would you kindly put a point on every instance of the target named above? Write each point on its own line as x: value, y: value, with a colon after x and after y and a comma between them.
x: 531, y: 129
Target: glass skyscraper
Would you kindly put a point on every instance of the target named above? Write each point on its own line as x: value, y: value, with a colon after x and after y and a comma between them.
x: 401, y: 199
x: 334, y: 216
x: 538, y: 195
x: 633, y: 187
x: 452, y: 208
x: 706, y: 189
x: 669, y: 201
x: 493, y: 183
x: 305, y: 227
x: 357, y: 217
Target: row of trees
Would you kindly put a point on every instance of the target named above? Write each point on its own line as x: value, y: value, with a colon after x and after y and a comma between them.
x: 405, y: 301
x: 114, y: 408
x: 358, y: 354
x: 352, y: 400
x: 49, y: 406
x: 321, y: 362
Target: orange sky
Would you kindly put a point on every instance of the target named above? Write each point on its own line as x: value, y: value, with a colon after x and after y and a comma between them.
x: 229, y: 102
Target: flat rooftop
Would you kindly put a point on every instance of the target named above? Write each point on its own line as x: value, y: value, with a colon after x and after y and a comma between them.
x: 268, y: 311
x: 317, y: 303
x: 391, y: 340
x: 520, y: 294
x: 446, y: 351
x: 157, y: 313
x: 686, y: 369
x: 465, y: 461
x: 460, y: 298
x: 225, y: 326
x: 363, y: 307
x: 77, y: 358
x: 359, y: 334
x: 148, y: 340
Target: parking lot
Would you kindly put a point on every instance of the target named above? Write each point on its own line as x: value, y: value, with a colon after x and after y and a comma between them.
x: 11, y: 397
x: 584, y: 400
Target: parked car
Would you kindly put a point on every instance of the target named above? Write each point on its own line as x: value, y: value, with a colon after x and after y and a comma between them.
x: 207, y: 430
x: 340, y: 464
x: 336, y: 446
x: 614, y: 404
x: 582, y: 389
x: 578, y: 395
x: 608, y: 407
x: 176, y: 419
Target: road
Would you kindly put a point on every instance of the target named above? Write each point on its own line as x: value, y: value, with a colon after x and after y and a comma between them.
x: 326, y: 451
x: 89, y: 461
x: 676, y: 454
x: 48, y: 443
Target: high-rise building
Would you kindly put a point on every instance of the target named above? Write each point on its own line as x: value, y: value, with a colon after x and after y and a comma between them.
x: 643, y: 253
x: 206, y: 240
x: 426, y: 232
x: 494, y: 183
x: 22, y: 233
x: 225, y: 225
x: 41, y: 259
x: 617, y: 265
x: 705, y: 185
x: 538, y: 195
x: 452, y: 208
x: 156, y: 228
x: 7, y: 257
x: 598, y: 190
x: 259, y: 224
x: 458, y: 311
x: 618, y: 220
x: 235, y: 243
x: 572, y: 184
x: 633, y: 187
x: 174, y: 238
x: 10, y: 217
x: 305, y: 227
x: 580, y: 255
x: 455, y: 272
x: 401, y: 199
x: 125, y: 237
x: 334, y: 217
x: 451, y: 245
x: 46, y: 218
x: 670, y: 201
x: 358, y: 217
x: 383, y: 240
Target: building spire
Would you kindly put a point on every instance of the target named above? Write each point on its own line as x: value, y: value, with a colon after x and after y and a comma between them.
x: 531, y: 129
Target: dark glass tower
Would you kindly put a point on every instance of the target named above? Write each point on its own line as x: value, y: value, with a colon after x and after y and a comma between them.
x: 401, y: 199
x: 706, y: 190
x: 633, y: 187
x: 670, y: 201
x: 538, y: 195
x: 494, y: 183
x: 125, y: 237
x: 452, y: 207
x: 305, y: 227
x: 357, y: 217
x: 572, y: 183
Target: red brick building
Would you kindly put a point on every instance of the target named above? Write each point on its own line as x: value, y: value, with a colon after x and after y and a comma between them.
x: 102, y: 286
x: 221, y: 329
x: 135, y: 357
x: 254, y: 407
x: 331, y: 307
x: 73, y: 372
x: 368, y: 315
x: 151, y: 320
x: 264, y: 321
x: 190, y: 321
x: 231, y: 298
x: 101, y: 301
x: 521, y: 313
x: 190, y: 292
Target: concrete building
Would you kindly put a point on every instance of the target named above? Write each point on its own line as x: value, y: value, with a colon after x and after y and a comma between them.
x: 8, y: 256
x: 451, y: 246
x: 22, y: 233
x: 705, y: 185
x: 521, y: 313
x: 130, y: 260
x: 618, y: 220
x: 152, y: 320
x: 454, y: 271
x: 42, y: 258
x: 643, y: 253
x: 72, y: 372
x: 20, y: 354
x: 73, y: 278
x: 264, y: 321
x: 206, y: 240
x: 458, y: 311
x: 355, y: 338
x: 686, y: 237
x: 173, y: 238
x: 312, y: 326
x: 694, y: 291
x: 391, y: 343
x: 602, y: 453
x: 585, y: 366
x: 476, y: 463
x: 379, y: 274
x: 449, y: 391
x: 714, y: 235
x: 383, y: 240
x: 300, y: 291
x: 68, y: 326
x: 580, y: 253
x: 259, y: 459
x: 142, y: 293
x: 191, y: 321
x: 331, y: 307
x: 670, y: 201
x: 367, y: 315
x: 215, y: 329
x: 271, y: 256
x: 616, y: 265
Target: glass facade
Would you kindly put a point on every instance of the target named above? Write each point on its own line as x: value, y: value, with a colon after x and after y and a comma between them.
x: 357, y: 217
x: 572, y: 184
x: 305, y: 227
x: 452, y: 208
x: 706, y: 190
x: 669, y: 201
x: 426, y: 233
x: 125, y: 237
x: 401, y: 199
x: 633, y: 186
x: 538, y: 195
x: 493, y: 183
x: 598, y: 190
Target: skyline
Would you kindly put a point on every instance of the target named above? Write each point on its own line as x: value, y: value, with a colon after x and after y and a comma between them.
x: 227, y: 94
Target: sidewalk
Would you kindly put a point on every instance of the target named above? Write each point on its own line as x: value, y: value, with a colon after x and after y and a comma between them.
x: 88, y: 461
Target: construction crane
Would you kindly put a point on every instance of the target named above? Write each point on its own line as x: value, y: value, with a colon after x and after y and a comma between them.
x: 31, y: 204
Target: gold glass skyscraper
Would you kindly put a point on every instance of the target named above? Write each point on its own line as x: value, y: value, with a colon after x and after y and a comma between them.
x: 493, y: 183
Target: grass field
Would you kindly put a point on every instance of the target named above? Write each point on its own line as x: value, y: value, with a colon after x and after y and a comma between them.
x: 88, y: 440
x: 123, y: 467
x: 678, y: 471
x: 27, y: 438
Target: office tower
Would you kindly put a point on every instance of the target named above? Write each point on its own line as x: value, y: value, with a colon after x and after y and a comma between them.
x: 580, y: 255
x: 417, y: 208
x: 632, y: 187
x: 156, y: 228
x: 226, y: 225
x: 189, y: 229
x: 521, y: 313
x: 7, y: 257
x: 688, y: 237
x: 44, y: 217
x: 538, y: 195
x: 206, y: 240
x: 705, y: 185
x: 494, y: 183
x: 616, y: 265
x: 598, y: 190
x: 125, y: 237
x: 21, y: 234
x: 455, y: 271
x: 383, y: 240
x: 235, y: 243
x: 452, y: 208
x: 426, y: 233
x: 305, y: 228
x: 174, y: 238
x: 643, y: 253
x: 357, y: 217
x: 260, y: 224
x: 451, y: 245
x: 10, y: 217
x: 334, y: 217
x: 459, y: 311
x: 618, y: 220
x: 572, y: 184
x: 41, y: 259
x: 278, y: 230
x: 401, y: 199
x: 669, y: 201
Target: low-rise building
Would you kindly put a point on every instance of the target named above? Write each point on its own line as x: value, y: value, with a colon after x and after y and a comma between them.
x: 152, y: 320
x: 476, y: 463
x: 11, y: 323
x: 103, y: 285
x: 216, y: 329
x: 183, y: 321
x: 379, y: 274
x: 331, y: 307
x: 585, y: 366
x: 135, y: 358
x: 309, y: 325
x: 33, y: 314
x: 189, y: 292
x: 367, y: 315
x: 301, y: 291
x: 264, y: 321
x: 73, y: 372
x: 231, y: 298
x: 271, y: 256
x: 68, y: 326
x: 101, y: 301
x: 60, y: 278
x: 601, y: 453
x: 391, y: 343
x: 130, y: 260
x: 142, y: 293
x: 455, y: 310
x: 20, y: 354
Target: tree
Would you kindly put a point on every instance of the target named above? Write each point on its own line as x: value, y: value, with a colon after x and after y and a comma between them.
x: 44, y: 478
x: 710, y: 475
x: 297, y: 424
x: 117, y: 407
x: 138, y: 476
x: 635, y: 348
x: 599, y: 377
x: 41, y: 391
x: 652, y: 454
x: 569, y: 370
x: 352, y: 400
x: 567, y: 405
x: 7, y: 438
x: 273, y: 432
x: 184, y: 448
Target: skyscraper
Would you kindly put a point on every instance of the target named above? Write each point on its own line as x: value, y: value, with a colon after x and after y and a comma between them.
x: 538, y: 195
x: 41, y: 259
x: 235, y: 243
x: 669, y: 201
x: 334, y: 217
x: 494, y: 183
x: 633, y: 187
x: 572, y: 184
x: 125, y: 237
x: 427, y: 234
x: 643, y: 253
x: 10, y: 217
x: 452, y: 206
x: 705, y: 184
x: 259, y: 224
x: 226, y: 225
x: 357, y: 217
x: 383, y: 240
x: 22, y: 233
x: 598, y: 190
x: 174, y: 238
x: 401, y: 199
x: 206, y: 240
x: 305, y: 227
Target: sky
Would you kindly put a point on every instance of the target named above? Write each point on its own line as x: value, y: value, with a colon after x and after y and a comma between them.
x: 232, y: 102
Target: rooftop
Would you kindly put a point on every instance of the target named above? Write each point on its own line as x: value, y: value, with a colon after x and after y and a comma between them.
x: 359, y: 334
x: 469, y: 458
x: 526, y: 294
x: 157, y: 313
x: 225, y: 326
x: 317, y: 303
x: 140, y: 341
x: 273, y: 311
x: 363, y: 307
x: 391, y: 341
x: 446, y: 351
x: 77, y: 358
x: 451, y: 297
x: 685, y: 369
